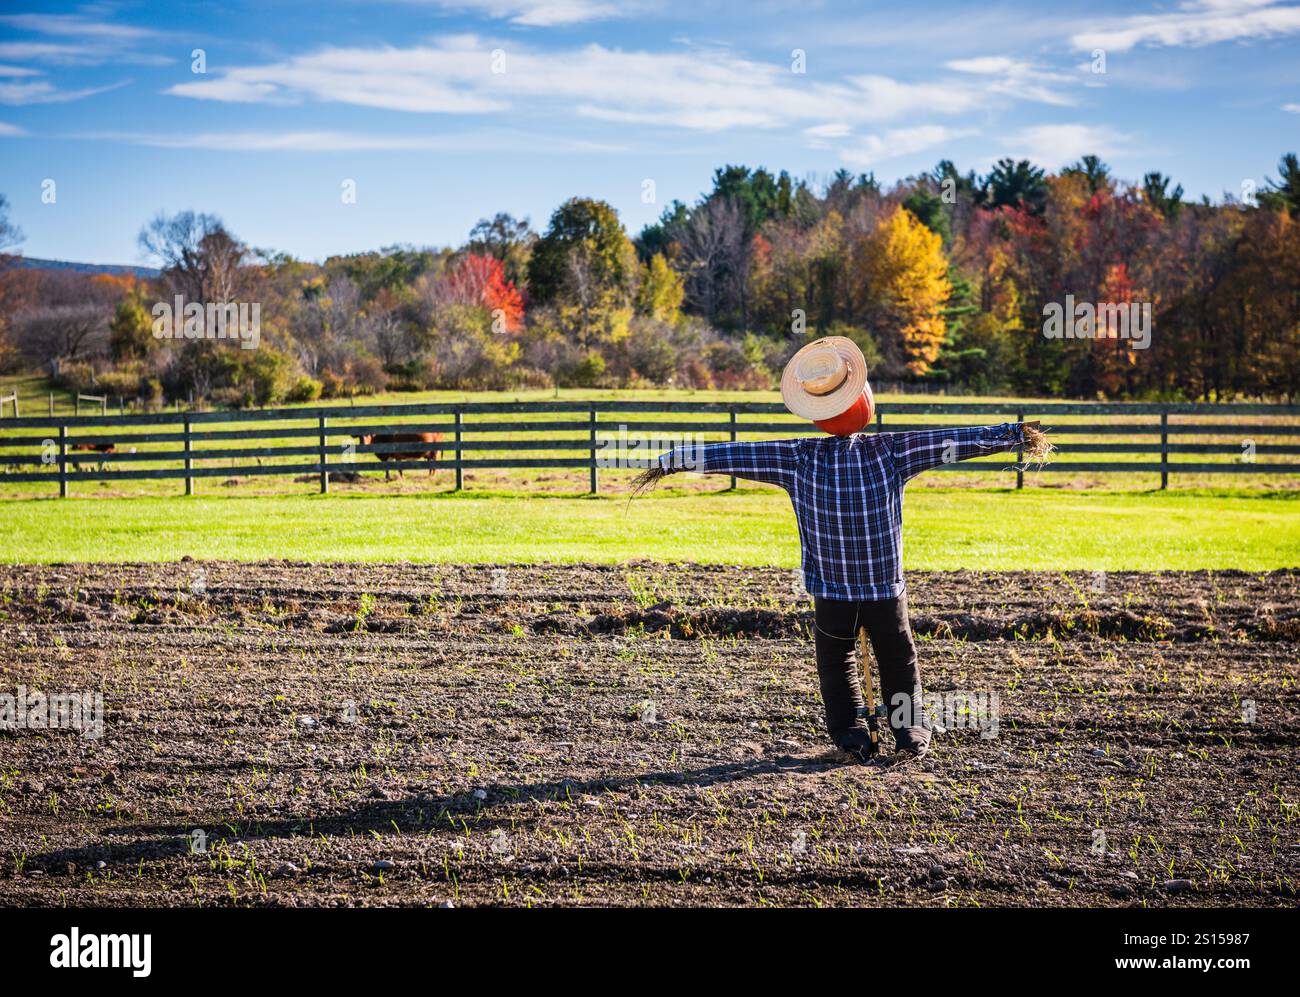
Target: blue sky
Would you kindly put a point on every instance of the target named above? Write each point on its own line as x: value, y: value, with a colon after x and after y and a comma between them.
x: 445, y: 112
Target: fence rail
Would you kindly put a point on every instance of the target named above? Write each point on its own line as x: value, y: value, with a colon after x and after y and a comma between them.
x: 330, y: 436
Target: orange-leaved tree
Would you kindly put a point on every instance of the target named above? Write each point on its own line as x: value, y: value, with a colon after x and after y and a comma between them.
x: 481, y: 280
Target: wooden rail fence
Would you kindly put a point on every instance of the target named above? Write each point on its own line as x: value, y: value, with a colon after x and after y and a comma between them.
x: 327, y: 435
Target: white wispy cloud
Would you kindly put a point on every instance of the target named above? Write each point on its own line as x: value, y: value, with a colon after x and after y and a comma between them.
x: 72, y: 40
x: 1194, y: 23
x: 1058, y: 145
x: 704, y: 90
x: 1291, y: 108
x: 1018, y: 79
x: 297, y: 141
x: 91, y: 43
x: 872, y: 149
x: 74, y: 26
x: 46, y: 52
x: 339, y: 141
x: 834, y: 129
x: 10, y: 131
x: 539, y: 13
x: 44, y: 92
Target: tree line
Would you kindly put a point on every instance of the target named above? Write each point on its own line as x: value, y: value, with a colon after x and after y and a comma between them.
x: 943, y: 279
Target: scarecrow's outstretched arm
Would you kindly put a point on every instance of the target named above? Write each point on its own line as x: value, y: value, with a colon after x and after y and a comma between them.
x: 917, y: 452
x: 772, y: 461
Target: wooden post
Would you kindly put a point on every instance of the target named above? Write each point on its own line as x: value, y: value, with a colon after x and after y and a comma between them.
x: 189, y: 461
x: 1164, y: 450
x: 592, y: 483
x: 63, y: 462
x: 733, y: 440
x: 460, y: 471
x: 51, y: 403
x: 324, y: 472
x: 103, y: 405
x: 880, y: 420
x: 1020, y: 456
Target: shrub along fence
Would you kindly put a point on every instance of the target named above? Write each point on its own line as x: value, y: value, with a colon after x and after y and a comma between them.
x: 325, y: 441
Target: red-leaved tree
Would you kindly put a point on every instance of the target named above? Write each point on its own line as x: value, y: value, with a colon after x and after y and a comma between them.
x: 481, y: 280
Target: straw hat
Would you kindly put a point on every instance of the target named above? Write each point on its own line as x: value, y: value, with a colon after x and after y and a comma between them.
x: 824, y: 379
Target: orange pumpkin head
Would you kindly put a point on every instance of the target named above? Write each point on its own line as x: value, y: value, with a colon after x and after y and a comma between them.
x: 855, y: 419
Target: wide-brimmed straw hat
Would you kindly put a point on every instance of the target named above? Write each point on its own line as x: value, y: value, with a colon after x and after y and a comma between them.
x: 824, y: 379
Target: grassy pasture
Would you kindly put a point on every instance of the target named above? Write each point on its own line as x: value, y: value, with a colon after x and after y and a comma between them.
x: 945, y: 529
x: 34, y: 399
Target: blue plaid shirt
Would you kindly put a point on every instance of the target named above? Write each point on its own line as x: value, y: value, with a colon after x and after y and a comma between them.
x: 847, y: 493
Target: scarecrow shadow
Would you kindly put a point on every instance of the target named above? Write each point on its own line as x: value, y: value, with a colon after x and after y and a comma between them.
x: 415, y: 813
x: 712, y: 775
x: 79, y: 860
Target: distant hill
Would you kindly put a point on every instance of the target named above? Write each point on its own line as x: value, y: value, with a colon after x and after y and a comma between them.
x: 116, y: 269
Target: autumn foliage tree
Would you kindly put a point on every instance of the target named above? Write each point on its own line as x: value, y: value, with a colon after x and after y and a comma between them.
x: 900, y: 285
x: 660, y: 291
x: 481, y: 280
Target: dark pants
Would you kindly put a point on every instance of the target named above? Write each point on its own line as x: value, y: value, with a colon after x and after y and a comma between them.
x: 895, y: 653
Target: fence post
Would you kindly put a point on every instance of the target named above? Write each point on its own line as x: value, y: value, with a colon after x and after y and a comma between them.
x: 324, y: 473
x: 460, y: 471
x: 63, y: 461
x: 51, y: 403
x: 189, y: 461
x: 1020, y: 455
x: 733, y: 440
x: 880, y: 420
x: 1164, y: 450
x: 593, y: 449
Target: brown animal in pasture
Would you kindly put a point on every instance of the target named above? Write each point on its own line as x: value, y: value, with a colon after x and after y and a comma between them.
x: 109, y: 446
x: 428, y: 452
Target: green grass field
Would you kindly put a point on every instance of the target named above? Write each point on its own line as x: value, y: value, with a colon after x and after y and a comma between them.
x: 945, y: 529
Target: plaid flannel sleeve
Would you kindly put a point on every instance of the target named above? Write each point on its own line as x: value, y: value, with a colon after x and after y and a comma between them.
x: 917, y: 452
x: 772, y: 462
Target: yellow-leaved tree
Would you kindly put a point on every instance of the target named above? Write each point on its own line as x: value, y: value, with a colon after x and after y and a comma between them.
x: 899, y: 284
x: 660, y: 291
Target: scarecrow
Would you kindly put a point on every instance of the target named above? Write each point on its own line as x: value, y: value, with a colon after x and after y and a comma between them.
x: 847, y: 492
